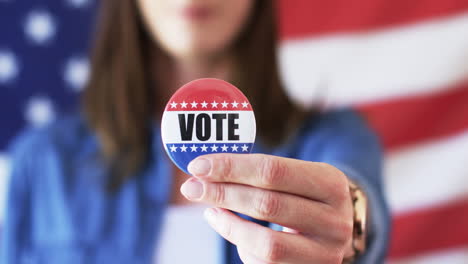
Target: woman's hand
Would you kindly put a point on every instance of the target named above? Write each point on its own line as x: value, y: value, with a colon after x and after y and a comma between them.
x: 311, y: 199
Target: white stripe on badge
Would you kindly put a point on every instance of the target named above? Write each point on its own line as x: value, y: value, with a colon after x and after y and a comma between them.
x: 245, y: 131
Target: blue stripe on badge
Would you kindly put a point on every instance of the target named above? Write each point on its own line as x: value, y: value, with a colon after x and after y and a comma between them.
x: 182, y: 154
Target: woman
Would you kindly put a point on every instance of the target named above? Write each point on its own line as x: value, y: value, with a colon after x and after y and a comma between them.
x: 97, y: 187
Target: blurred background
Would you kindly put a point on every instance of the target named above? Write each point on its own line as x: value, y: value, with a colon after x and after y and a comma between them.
x: 403, y: 64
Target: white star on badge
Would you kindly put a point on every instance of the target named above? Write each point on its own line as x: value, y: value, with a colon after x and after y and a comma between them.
x: 204, y: 148
x: 183, y: 148
x: 173, y: 148
x: 234, y: 148
x: 225, y: 105
x: 184, y: 104
x: 245, y: 104
x: 214, y: 104
x: 214, y: 148
x: 245, y: 148
x: 204, y: 104
x: 194, y: 148
x: 173, y: 105
x: 194, y: 104
x: 224, y: 148
x: 235, y: 104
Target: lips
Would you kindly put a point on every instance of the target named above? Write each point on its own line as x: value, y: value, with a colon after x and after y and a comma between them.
x: 197, y: 13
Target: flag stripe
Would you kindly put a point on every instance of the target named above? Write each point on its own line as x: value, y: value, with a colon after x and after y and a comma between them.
x: 453, y: 256
x: 429, y: 116
x: 432, y: 229
x: 427, y: 174
x: 360, y: 68
x: 305, y: 18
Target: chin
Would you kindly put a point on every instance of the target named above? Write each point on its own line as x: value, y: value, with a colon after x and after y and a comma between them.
x: 195, y: 51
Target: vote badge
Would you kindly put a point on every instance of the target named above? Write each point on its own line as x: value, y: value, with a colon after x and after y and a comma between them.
x: 207, y: 116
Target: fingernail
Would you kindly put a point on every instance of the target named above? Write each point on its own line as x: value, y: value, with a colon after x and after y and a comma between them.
x: 199, y: 167
x: 192, y: 189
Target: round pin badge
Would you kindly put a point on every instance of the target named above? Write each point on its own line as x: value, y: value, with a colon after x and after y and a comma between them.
x: 207, y: 116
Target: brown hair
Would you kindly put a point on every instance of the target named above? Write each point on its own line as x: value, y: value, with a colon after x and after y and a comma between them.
x: 120, y: 104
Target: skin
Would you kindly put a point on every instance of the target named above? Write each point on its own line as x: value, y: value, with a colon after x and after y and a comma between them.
x: 311, y: 200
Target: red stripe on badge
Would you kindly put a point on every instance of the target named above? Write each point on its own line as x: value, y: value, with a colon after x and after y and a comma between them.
x: 428, y: 230
x: 208, y: 95
x: 414, y: 119
x: 305, y: 18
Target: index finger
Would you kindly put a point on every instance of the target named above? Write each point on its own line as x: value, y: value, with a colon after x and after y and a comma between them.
x: 313, y: 180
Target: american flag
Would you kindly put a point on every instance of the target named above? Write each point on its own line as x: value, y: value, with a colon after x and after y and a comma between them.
x: 404, y: 64
x: 43, y: 65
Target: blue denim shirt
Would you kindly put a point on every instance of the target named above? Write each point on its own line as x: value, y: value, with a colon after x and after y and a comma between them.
x: 59, y: 212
